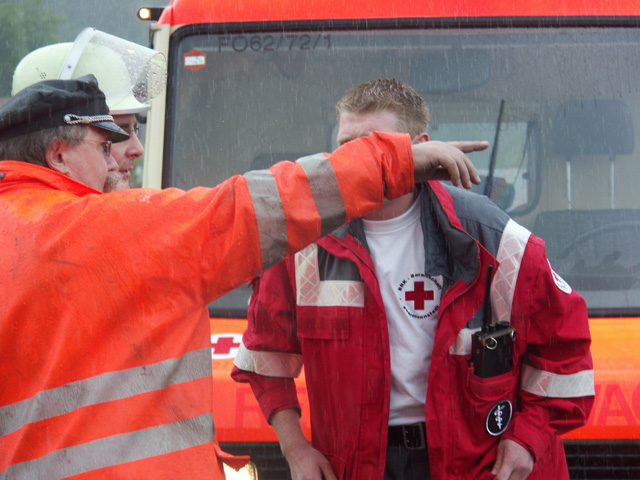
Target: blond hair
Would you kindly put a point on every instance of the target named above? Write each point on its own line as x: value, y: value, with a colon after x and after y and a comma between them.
x: 388, y: 95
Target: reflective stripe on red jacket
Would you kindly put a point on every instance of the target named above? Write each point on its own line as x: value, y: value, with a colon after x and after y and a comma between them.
x: 104, y: 331
x: 324, y: 307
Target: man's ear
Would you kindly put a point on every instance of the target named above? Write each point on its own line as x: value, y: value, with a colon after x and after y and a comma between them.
x: 55, y: 156
x: 423, y: 137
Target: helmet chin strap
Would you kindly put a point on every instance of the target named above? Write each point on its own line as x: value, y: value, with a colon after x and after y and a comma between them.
x: 71, y: 61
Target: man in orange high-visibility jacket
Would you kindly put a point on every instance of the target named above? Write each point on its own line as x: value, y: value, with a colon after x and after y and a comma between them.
x: 104, y: 332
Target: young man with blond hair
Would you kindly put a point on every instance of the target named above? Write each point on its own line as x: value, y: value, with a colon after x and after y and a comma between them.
x: 382, y: 312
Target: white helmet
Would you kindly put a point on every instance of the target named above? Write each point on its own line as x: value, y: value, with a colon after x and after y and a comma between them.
x: 128, y: 74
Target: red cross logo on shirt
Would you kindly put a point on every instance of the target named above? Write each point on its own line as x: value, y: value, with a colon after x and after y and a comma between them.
x: 225, y: 345
x: 419, y: 295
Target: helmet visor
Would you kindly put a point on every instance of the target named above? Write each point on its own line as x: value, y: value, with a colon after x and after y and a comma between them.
x: 133, y: 69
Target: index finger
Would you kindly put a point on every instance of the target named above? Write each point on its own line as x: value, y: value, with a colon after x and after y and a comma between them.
x: 472, y: 146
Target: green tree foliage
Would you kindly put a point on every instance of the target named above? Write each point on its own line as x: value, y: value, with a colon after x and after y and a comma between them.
x: 25, y: 26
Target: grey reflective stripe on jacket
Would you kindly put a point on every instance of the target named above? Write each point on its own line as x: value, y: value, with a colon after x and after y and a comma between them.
x: 325, y: 190
x: 108, y: 387
x: 126, y: 447
x: 270, y: 213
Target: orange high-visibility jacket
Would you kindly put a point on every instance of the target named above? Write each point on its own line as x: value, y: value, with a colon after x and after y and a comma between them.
x: 105, y: 360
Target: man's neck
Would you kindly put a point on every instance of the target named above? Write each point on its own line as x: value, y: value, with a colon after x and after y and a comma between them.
x: 393, y: 208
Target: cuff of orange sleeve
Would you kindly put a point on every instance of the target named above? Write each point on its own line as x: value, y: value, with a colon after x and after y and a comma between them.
x: 397, y: 163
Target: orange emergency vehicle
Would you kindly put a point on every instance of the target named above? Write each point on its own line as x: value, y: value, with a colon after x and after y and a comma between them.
x: 553, y: 85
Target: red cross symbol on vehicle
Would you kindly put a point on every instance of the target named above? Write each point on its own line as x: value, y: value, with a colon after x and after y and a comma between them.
x: 419, y: 295
x: 221, y: 345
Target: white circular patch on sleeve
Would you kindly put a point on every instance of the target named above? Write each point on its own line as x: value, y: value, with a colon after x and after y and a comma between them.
x: 559, y: 281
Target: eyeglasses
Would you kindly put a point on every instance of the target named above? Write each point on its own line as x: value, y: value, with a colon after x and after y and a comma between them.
x: 130, y: 131
x: 106, y: 146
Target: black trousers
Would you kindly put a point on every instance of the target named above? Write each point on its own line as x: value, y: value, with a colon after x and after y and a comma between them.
x: 405, y: 464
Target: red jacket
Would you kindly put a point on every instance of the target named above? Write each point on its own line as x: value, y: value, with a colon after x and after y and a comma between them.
x: 104, y: 334
x: 324, y: 308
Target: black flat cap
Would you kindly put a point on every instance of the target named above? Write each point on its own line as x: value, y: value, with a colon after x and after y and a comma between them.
x: 54, y: 103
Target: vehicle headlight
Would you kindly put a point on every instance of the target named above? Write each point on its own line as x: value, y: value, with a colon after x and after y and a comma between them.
x: 248, y: 472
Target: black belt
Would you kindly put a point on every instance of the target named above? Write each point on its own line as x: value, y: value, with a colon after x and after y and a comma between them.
x: 412, y: 437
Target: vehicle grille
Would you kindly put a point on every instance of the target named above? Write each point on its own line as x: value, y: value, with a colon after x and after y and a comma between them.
x: 603, y: 459
x: 587, y: 460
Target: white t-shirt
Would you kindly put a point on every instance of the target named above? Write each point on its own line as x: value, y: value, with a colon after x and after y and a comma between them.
x: 411, y: 299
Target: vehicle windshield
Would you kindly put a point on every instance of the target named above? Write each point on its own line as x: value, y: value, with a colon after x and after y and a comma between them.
x: 560, y: 108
